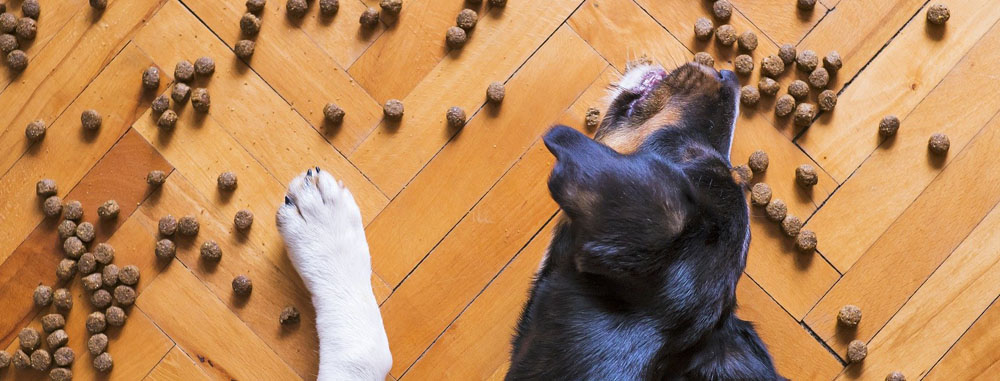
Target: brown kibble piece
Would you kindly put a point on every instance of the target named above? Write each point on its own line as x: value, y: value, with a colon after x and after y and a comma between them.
x: 393, y: 109
x: 52, y: 322
x: 46, y: 187
x: 52, y: 207
x: 743, y: 173
x: 87, y: 264
x: 67, y: 229
x: 776, y: 210
x: 115, y: 316
x: 29, y: 339
x: 96, y: 322
x: 104, y: 253
x: 66, y: 269
x: 161, y: 104
x: 807, y: 5
x: 20, y: 359
x: 798, y: 89
x: 703, y: 28
x: 73, y: 210
x: 296, y: 8
x: 333, y: 113
x: 73, y: 247
x: 256, y: 6
x: 242, y: 286
x: 167, y: 120
x: 93, y: 282
x: 184, y: 71
x: 369, y: 18
x: 772, y: 66
x: 749, y: 95
x: 805, y: 241
x: 849, y: 316
x: 103, y: 362
x: 109, y: 275
x: 4, y: 359
x: 210, y: 251
x: 108, y: 210
x: 593, y: 118
x: 63, y: 356
x: 101, y: 298
x: 391, y: 7
x: 97, y: 344
x: 227, y: 181
x: 243, y: 219
x: 725, y: 34
x: 938, y: 14
x: 188, y: 225
x: 31, y: 8
x: 787, y: 53
x: 895, y: 376
x: 791, y: 225
x: 467, y: 19
x: 807, y: 60
x: 35, y: 130
x: 857, y: 350
x: 289, y: 316
x: 125, y: 295
x: 85, y: 231
x: 455, y: 117
x: 832, y: 62
x: 165, y: 249
x: 758, y: 161
x: 62, y: 299
x: 804, y: 114
x: 200, y: 100
x: 704, y: 59
x: 888, y: 126
x: 939, y: 144
x: 91, y: 120
x: 8, y: 22
x: 498, y: 3
x: 204, y: 66
x: 743, y: 64
x: 42, y: 296
x: 26, y: 28
x: 805, y: 176
x: 8, y: 43
x: 250, y: 24
x: 244, y: 49
x: 156, y: 177
x: 151, y: 78
x: 328, y: 8
x: 98, y: 5
x: 57, y: 339
x: 180, y: 92
x: 495, y: 92
x: 167, y: 225
x: 747, y: 41
x: 760, y: 194
x: 819, y: 78
x: 64, y: 374
x: 456, y: 37
x: 41, y: 360
x: 722, y: 9
x: 129, y: 275
x: 827, y: 100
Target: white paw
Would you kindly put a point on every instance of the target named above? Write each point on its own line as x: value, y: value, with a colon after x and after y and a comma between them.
x: 322, y: 228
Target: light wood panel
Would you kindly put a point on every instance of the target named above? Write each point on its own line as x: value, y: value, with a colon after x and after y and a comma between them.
x: 176, y: 365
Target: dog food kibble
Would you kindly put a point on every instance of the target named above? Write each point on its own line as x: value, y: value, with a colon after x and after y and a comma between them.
x: 52, y: 322
x: 151, y: 78
x: 108, y: 210
x: 744, y: 173
x: 29, y: 339
x: 819, y: 78
x: 749, y: 95
x: 62, y: 299
x: 787, y: 53
x: 369, y: 18
x: 161, y: 104
x: 46, y: 187
x: 188, y: 225
x: 743, y: 64
x: 798, y: 89
x: 805, y: 176
x: 96, y: 322
x: 104, y: 253
x: 167, y: 225
x: 129, y: 275
x: 180, y: 92
x: 243, y: 219
x: 849, y: 316
x: 495, y: 92
x: 57, y: 339
x: 832, y: 62
x: 455, y: 117
x: 73, y: 247
x: 64, y: 356
x: 758, y: 161
x: 99, y: 4
x: 93, y: 281
x: 210, y: 251
x: 895, y: 376
x: 204, y: 66
x: 455, y: 37
x: 184, y: 71
x: 91, y: 120
x: 244, y: 48
x: 17, y: 60
x: 73, y: 210
x: 165, y: 249
x: 8, y: 22
x: 857, y: 350
x: 772, y: 66
x: 103, y: 362
x: 703, y: 28
x: 67, y: 229
x: 593, y: 118
x: 63, y: 374
x: 31, y: 8
x: 807, y: 60
x: 328, y: 8
x: 52, y: 206
x: 804, y: 114
x: 26, y: 28
x: 888, y: 126
x: 20, y: 359
x: 42, y: 295
x: 807, y: 4
x: 938, y: 14
x: 760, y: 194
x: 41, y: 360
x: 97, y: 344
x: 250, y: 24
x: 747, y: 41
x: 393, y: 109
x: 227, y: 181
x: 85, y: 231
x: 4, y: 359
x: 791, y: 225
x: 101, y: 298
x: 333, y: 113
x: 827, y: 100
x: 289, y: 316
x: 242, y: 286
x: 66, y: 269
x: 722, y: 9
x: 296, y: 8
x: 725, y: 34
x: 125, y: 295
x: 391, y: 7
x: 109, y: 275
x: 497, y: 3
x: 35, y: 130
x: 8, y: 43
x: 200, y: 100
x: 167, y: 120
x: 256, y: 6
x: 939, y: 144
x: 467, y: 19
x: 704, y: 59
x: 805, y: 241
x: 116, y: 316
x: 156, y: 177
x: 87, y: 264
x: 776, y: 210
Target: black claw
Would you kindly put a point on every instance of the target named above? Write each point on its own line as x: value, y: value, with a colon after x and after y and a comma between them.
x: 309, y: 172
x: 317, y: 169
x: 288, y: 201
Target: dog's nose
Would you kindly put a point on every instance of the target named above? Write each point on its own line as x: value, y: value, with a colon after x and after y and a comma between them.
x: 728, y: 77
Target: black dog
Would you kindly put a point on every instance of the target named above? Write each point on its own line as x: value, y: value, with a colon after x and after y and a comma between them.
x: 640, y: 278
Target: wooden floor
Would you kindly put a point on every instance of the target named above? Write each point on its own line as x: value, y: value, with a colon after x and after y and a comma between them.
x: 458, y: 220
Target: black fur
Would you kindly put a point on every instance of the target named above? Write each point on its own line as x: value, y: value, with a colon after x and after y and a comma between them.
x: 640, y: 278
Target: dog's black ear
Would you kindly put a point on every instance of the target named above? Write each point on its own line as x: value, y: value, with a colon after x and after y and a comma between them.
x: 573, y: 180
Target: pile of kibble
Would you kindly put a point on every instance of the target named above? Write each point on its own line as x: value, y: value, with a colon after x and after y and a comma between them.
x: 15, y: 32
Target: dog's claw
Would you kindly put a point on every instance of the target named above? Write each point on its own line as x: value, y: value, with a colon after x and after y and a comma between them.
x: 309, y: 172
x: 288, y: 201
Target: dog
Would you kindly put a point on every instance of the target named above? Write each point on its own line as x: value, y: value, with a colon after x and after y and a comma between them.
x: 639, y: 280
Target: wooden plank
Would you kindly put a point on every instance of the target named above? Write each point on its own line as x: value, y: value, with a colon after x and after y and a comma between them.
x: 119, y: 175
x: 894, y: 83
x: 58, y: 74
x: 893, y: 176
x: 57, y: 15
x: 176, y: 365
x: 340, y: 36
x: 974, y: 356
x: 906, y: 249
x: 603, y: 23
x: 250, y: 110
x: 394, y: 153
x: 941, y: 311
x: 286, y: 58
x: 490, y: 144
x: 204, y: 327
x: 781, y: 21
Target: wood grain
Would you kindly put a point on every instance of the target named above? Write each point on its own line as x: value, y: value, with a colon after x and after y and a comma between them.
x: 176, y: 365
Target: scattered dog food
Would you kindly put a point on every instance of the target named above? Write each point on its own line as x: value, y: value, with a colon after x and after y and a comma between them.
x: 73, y: 247
x: 250, y: 24
x: 296, y: 8
x: 101, y: 298
x: 776, y: 210
x: 832, y: 62
x: 97, y: 344
x: 333, y: 113
x: 52, y: 206
x: 704, y: 59
x: 805, y: 241
x: 65, y: 374
x: 62, y: 299
x: 243, y: 219
x: 57, y: 339
x: 328, y: 8
x: 46, y: 187
x: 369, y: 18
x: 791, y: 225
x: 798, y: 89
x: 125, y: 295
x: 747, y: 41
x: 849, y: 316
x: 393, y: 109
x: 99, y: 5
x: 85, y: 231
x: 726, y: 34
x: 289, y: 316
x: 188, y: 225
x: 129, y: 275
x: 819, y: 78
x: 17, y: 60
x: 115, y: 316
x: 593, y: 118
x: 29, y: 339
x: 52, y: 322
x: 165, y: 249
x: 155, y: 178
x: 939, y: 144
x: 104, y: 253
x: 20, y: 359
x: 804, y: 114
x: 63, y: 356
x: 204, y: 66
x: 184, y: 70
x: 895, y: 376
x: 455, y: 117
x: 210, y: 251
x: 772, y: 66
x: 744, y: 173
x: 66, y: 269
x: 8, y: 22
x: 161, y: 104
x: 93, y: 281
x: 743, y: 64
x: 31, y: 8
x: 151, y: 78
x: 758, y: 161
x: 35, y: 130
x: 200, y: 99
x: 805, y: 176
x: 256, y: 6
x: 73, y: 210
x: 807, y: 60
x: 66, y: 229
x: 857, y: 350
x: 96, y: 322
x: 888, y: 126
x: 109, y: 275
x: 456, y: 37
x: 827, y: 100
x: 180, y: 92
x: 227, y: 181
x: 938, y: 14
x: 167, y: 225
x: 495, y: 92
x: 244, y: 49
x: 760, y: 194
x: 703, y: 28
x: 467, y: 19
x: 807, y: 4
x: 26, y: 29
x: 749, y: 95
x: 722, y: 9
x: 42, y: 296
x: 108, y: 210
x: 103, y: 362
x: 242, y: 286
x: 787, y: 53
x: 8, y: 43
x: 87, y: 264
x: 41, y: 360
x: 391, y: 7
x: 91, y: 119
